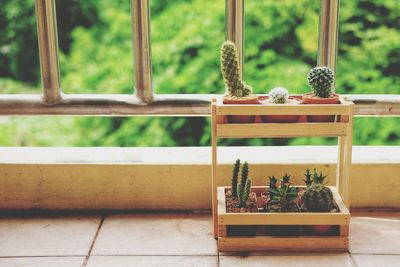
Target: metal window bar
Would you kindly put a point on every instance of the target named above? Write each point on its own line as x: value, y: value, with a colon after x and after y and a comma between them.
x: 144, y: 102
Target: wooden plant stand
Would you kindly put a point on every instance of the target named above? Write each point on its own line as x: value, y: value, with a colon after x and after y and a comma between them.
x: 341, y: 128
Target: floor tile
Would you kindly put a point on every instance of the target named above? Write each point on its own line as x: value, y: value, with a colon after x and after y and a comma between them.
x: 56, y: 236
x: 154, y: 261
x: 42, y: 261
x: 156, y: 234
x: 372, y: 235
x: 289, y: 259
x: 377, y: 260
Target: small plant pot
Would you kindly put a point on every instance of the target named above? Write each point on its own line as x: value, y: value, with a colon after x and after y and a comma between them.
x: 280, y: 118
x: 253, y: 100
x: 244, y: 230
x: 310, y: 98
x: 282, y: 230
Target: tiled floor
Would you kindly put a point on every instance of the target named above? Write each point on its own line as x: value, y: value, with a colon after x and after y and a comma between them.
x: 174, y: 240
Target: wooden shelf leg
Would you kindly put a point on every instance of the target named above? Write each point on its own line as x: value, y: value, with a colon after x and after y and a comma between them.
x: 214, y: 184
x: 343, y: 172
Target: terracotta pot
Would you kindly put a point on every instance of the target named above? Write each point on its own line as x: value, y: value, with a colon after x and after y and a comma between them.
x: 281, y: 118
x: 310, y: 98
x: 245, y: 101
x: 321, y: 230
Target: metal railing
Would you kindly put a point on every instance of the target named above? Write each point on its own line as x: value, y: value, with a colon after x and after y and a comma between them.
x: 144, y: 101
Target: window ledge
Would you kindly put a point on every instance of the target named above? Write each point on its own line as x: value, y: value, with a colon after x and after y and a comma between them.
x: 180, y: 177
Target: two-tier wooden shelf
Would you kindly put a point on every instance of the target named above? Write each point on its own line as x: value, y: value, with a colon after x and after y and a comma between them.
x: 342, y: 128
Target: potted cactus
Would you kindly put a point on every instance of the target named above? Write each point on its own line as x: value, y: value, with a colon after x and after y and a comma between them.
x: 318, y: 198
x: 240, y: 199
x: 321, y: 81
x: 237, y: 91
x: 280, y: 96
x: 281, y: 197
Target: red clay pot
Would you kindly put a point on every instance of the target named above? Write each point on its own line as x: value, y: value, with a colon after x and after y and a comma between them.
x: 310, y: 98
x: 281, y: 118
x: 321, y: 229
x: 241, y: 118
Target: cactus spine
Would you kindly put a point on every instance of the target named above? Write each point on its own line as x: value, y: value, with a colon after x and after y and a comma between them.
x: 235, y: 174
x: 230, y: 69
x: 321, y: 80
x: 317, y: 197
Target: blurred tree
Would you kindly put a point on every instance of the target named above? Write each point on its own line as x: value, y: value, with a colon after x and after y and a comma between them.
x: 281, y: 46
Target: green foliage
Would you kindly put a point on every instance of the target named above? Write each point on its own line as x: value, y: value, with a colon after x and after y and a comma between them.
x: 235, y: 175
x: 280, y: 48
x: 321, y: 80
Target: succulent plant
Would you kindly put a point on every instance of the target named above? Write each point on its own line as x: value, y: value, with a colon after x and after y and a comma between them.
x: 278, y: 95
x: 317, y: 197
x: 321, y: 80
x: 230, y: 69
x: 281, y: 196
x: 235, y: 175
x: 243, y: 187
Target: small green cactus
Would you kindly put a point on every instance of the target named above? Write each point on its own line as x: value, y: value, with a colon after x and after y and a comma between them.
x: 278, y: 95
x: 321, y: 80
x: 235, y: 175
x: 243, y: 187
x: 230, y: 69
x: 317, y: 197
x: 244, y: 192
x: 282, y: 197
x: 245, y: 174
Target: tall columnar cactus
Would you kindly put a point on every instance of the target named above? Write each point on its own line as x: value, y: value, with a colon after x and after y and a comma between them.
x: 318, y: 197
x: 244, y: 175
x: 244, y: 186
x: 230, y: 69
x: 321, y: 80
x: 278, y: 95
x: 235, y: 175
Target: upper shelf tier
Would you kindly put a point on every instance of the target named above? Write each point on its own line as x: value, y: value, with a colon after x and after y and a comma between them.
x: 344, y: 108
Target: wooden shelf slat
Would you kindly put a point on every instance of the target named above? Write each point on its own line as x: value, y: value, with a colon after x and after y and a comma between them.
x: 255, y: 130
x: 261, y: 243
